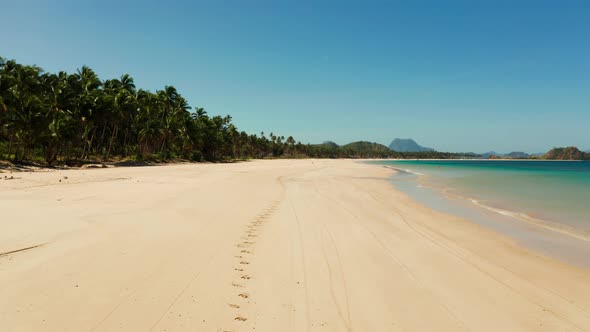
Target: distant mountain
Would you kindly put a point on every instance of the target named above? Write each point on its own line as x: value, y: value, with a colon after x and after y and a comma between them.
x: 569, y: 153
x: 407, y: 145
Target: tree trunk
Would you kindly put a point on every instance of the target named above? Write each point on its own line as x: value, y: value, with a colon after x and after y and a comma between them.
x: 125, y: 146
x: 90, y: 143
x: 9, y: 147
x: 111, y: 142
x: 104, y: 129
x: 163, y: 143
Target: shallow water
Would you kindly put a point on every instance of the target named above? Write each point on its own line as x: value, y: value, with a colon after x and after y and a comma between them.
x: 543, y: 204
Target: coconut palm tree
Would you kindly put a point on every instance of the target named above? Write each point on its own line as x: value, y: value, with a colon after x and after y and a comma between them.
x: 78, y: 116
x: 86, y: 86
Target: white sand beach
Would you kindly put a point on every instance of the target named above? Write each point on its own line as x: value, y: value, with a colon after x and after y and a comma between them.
x: 277, y: 245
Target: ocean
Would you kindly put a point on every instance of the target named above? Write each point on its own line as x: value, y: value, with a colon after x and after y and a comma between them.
x: 545, y: 204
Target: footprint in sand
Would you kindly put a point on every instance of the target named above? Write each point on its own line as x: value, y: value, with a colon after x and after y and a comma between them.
x: 250, y: 233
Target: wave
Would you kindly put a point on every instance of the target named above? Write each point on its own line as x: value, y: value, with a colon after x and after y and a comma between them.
x: 559, y: 228
x: 401, y: 170
x: 520, y: 216
x: 447, y: 191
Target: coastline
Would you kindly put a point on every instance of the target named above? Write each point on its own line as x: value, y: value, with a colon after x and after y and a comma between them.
x: 548, y: 224
x: 274, y: 245
x: 559, y: 240
x: 482, y: 159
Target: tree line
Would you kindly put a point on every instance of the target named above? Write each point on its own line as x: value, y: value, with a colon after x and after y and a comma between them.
x: 75, y: 117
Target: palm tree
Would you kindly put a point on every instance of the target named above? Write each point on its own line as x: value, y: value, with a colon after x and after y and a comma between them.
x: 76, y: 116
x: 87, y: 85
x: 23, y: 93
x: 60, y: 122
x: 122, y: 103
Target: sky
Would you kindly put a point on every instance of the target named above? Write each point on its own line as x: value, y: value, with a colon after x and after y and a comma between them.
x: 461, y: 76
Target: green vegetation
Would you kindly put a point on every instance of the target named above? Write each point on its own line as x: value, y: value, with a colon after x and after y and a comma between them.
x: 364, y: 149
x: 67, y: 118
x: 353, y: 150
x: 63, y: 118
x: 569, y: 153
x: 437, y: 155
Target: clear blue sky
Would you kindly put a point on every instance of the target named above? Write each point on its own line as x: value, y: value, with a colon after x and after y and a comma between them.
x: 454, y: 75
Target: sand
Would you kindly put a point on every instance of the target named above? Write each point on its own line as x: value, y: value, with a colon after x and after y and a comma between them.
x: 307, y: 245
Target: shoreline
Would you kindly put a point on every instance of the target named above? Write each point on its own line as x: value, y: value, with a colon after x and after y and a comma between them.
x: 546, y: 236
x: 9, y: 166
x: 551, y: 225
x: 276, y: 245
x: 480, y: 159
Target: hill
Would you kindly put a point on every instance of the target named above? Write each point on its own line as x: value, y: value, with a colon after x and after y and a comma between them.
x: 511, y: 155
x: 569, y: 153
x: 490, y: 154
x: 329, y: 144
x: 517, y: 155
x: 366, y: 149
x: 407, y: 145
x: 360, y: 149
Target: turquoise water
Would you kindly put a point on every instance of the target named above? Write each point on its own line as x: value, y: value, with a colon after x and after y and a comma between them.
x: 544, y: 204
x: 554, y: 191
